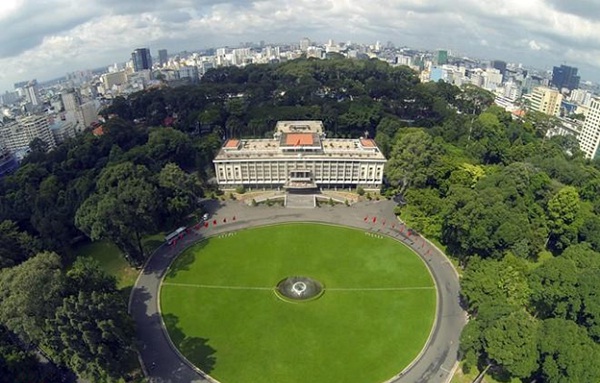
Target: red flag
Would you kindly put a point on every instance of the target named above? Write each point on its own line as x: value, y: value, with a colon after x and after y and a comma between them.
x: 224, y: 220
x: 205, y: 224
x: 374, y: 219
x: 366, y: 218
x: 214, y: 222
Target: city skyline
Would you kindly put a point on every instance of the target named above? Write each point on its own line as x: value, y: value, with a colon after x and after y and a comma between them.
x: 44, y: 41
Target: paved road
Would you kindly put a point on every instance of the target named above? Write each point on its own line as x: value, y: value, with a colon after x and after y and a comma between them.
x: 164, y: 364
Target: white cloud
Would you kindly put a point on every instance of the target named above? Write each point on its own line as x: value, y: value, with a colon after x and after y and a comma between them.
x: 535, y: 46
x: 74, y: 34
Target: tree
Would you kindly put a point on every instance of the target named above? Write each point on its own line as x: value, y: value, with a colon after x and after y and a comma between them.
x: 511, y: 342
x: 16, y: 364
x: 423, y: 207
x: 179, y: 191
x: 566, y: 353
x: 412, y: 158
x: 472, y: 342
x: 587, y: 263
x: 495, y: 282
x: 92, y: 333
x: 15, y: 246
x: 29, y: 295
x: 491, y: 143
x: 37, y: 145
x: 123, y: 208
x: 563, y: 209
x: 169, y: 145
x: 473, y: 99
x: 554, y: 289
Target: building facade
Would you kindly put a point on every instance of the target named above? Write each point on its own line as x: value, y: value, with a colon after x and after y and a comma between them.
x: 141, y: 59
x: 17, y: 135
x: 163, y: 57
x: 32, y: 93
x: 299, y: 156
x: 565, y: 76
x: 546, y: 100
x: 589, y: 139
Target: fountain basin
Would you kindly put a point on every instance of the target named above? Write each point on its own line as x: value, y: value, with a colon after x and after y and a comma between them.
x: 299, y: 288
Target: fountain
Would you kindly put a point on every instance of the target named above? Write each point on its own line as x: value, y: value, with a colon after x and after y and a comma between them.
x: 299, y: 289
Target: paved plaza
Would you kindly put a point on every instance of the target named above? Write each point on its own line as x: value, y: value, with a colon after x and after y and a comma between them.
x: 164, y: 363
x: 300, y: 201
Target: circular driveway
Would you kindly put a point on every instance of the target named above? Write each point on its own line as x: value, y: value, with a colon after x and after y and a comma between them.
x: 162, y: 361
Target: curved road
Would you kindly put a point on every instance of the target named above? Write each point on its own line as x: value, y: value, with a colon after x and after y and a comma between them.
x: 164, y: 364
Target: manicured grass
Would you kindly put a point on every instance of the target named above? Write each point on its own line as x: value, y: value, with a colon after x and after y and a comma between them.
x: 249, y: 335
x: 111, y: 260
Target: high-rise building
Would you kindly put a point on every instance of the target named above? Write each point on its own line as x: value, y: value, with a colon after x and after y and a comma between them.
x: 442, y: 57
x: 590, y: 134
x: 304, y: 44
x: 70, y: 100
x: 31, y: 92
x: 546, y: 100
x: 500, y: 65
x: 18, y: 134
x: 115, y: 78
x: 163, y: 57
x: 89, y: 113
x: 141, y: 59
x: 565, y: 77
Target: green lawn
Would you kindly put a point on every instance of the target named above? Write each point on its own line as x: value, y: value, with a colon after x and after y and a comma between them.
x: 250, y: 335
x: 111, y: 260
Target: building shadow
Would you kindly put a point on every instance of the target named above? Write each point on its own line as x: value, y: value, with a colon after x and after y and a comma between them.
x: 195, y: 349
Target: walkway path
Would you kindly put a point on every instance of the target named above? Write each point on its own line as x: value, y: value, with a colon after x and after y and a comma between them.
x: 164, y: 364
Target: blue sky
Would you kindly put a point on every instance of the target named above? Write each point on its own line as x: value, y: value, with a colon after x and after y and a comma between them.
x: 44, y: 39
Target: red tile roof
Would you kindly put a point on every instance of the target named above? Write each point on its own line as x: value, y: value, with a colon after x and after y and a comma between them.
x: 299, y: 139
x: 232, y: 143
x: 367, y: 143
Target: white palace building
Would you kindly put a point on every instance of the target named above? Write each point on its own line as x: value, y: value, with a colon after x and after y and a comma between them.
x: 300, y: 157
